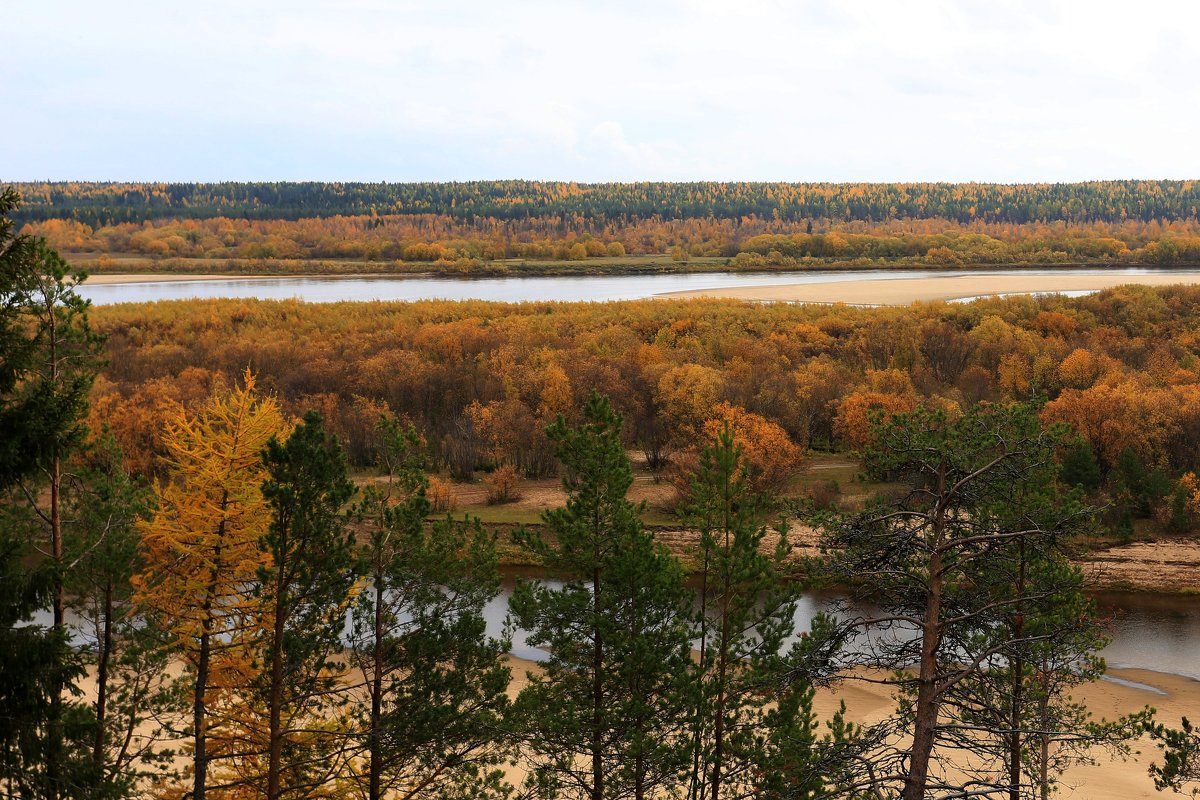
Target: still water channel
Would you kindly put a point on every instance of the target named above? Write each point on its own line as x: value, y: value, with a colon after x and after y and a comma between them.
x: 1152, y: 632
x: 315, y: 289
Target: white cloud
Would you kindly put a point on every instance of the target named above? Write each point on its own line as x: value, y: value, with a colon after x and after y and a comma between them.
x: 660, y: 89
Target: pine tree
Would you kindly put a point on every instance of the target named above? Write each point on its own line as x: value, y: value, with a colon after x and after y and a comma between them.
x: 753, y: 728
x: 435, y: 687
x: 964, y: 570
x: 303, y: 593
x: 201, y: 554
x: 134, y: 693
x: 608, y: 717
x: 1181, y: 756
x: 48, y: 358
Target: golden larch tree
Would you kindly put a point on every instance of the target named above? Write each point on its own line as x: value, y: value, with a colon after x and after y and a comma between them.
x: 202, y: 554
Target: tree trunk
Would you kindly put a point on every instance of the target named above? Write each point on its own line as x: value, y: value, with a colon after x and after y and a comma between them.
x: 376, y: 766
x: 275, y: 758
x: 721, y: 679
x: 1014, y: 736
x: 696, y: 787
x: 926, y: 712
x: 203, y: 661
x: 597, y: 696
x: 1017, y: 666
x: 1044, y: 737
x: 102, y: 678
x: 55, y: 744
x: 56, y: 539
x: 199, y: 732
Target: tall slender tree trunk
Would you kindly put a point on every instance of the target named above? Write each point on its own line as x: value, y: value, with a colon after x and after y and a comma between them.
x: 926, y: 712
x: 275, y: 725
x: 696, y: 786
x: 721, y: 679
x: 200, y: 756
x: 597, y: 743
x: 1044, y: 742
x: 55, y: 745
x: 376, y: 757
x: 56, y: 540
x: 199, y: 712
x: 1017, y: 667
x: 106, y: 640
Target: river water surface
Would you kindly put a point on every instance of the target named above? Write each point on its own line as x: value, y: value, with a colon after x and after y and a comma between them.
x: 1153, y: 632
x: 1160, y: 633
x: 316, y: 289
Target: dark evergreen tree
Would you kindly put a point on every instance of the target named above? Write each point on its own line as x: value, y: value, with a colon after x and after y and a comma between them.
x: 1180, y: 748
x: 305, y: 594
x: 964, y: 570
x: 434, y: 692
x: 135, y: 693
x: 754, y: 733
x: 608, y: 719
x: 1080, y: 468
x: 48, y: 357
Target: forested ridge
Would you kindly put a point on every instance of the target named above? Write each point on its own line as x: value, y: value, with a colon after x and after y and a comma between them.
x: 485, y: 225
x: 1094, y: 201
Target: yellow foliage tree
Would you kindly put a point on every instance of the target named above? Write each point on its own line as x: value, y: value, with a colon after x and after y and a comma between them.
x: 201, y: 551
x: 1079, y: 370
x: 687, y: 395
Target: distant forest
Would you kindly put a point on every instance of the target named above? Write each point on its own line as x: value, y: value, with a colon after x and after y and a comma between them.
x: 475, y: 227
x: 1096, y: 201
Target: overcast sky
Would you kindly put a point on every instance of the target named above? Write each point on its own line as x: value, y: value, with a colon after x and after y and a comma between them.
x: 598, y: 91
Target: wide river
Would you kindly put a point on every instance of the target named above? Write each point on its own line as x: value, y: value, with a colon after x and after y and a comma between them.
x: 317, y: 289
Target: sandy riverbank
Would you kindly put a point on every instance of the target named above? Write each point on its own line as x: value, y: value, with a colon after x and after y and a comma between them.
x: 1172, y: 695
x: 902, y: 291
x: 867, y: 702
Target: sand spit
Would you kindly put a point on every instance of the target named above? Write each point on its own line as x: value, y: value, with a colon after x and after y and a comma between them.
x: 902, y: 291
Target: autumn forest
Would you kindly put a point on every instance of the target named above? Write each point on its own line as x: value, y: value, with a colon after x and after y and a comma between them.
x: 255, y: 548
x: 500, y: 225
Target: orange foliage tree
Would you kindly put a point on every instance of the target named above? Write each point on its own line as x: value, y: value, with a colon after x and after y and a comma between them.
x: 770, y: 456
x: 852, y: 424
x: 202, y: 556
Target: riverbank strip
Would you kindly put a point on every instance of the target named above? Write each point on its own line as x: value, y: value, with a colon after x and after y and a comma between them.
x: 903, y: 291
x: 98, y: 264
x: 1167, y: 567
